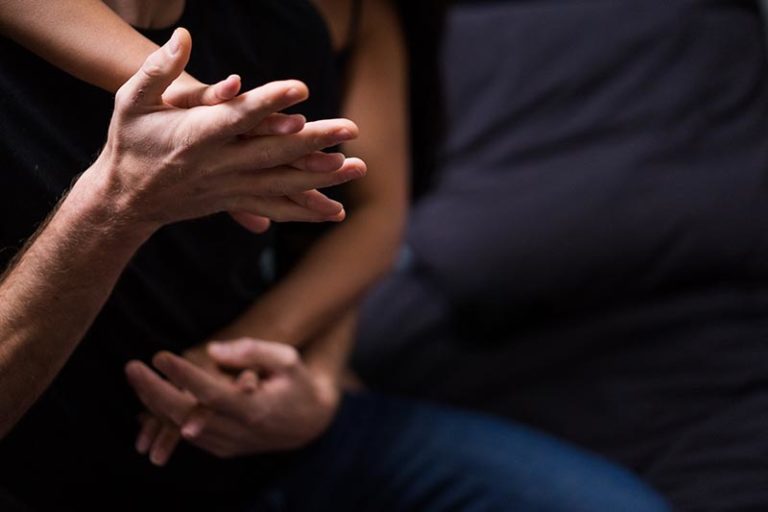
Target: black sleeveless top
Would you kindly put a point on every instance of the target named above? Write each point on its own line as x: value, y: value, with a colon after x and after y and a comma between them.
x: 187, y: 282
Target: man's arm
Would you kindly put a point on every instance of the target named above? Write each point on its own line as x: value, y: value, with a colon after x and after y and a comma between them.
x: 160, y: 165
x: 52, y: 294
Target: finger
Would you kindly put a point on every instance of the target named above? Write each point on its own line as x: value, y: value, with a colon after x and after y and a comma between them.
x: 284, y: 181
x: 215, y: 433
x: 208, y: 389
x: 253, y: 223
x: 278, y: 124
x: 283, y: 209
x: 277, y: 150
x: 247, y: 381
x: 254, y: 354
x: 159, y: 70
x: 164, y: 445
x: 158, y: 395
x: 221, y: 91
x: 320, y: 203
x: 150, y: 426
x: 195, y: 424
x: 320, y: 162
x: 245, y: 112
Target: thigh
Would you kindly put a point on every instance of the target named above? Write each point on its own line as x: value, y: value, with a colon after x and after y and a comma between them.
x: 384, y: 454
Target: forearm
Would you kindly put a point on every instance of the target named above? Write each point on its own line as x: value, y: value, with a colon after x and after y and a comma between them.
x: 343, y: 265
x: 51, y: 295
x: 83, y: 37
x: 328, y: 281
x: 328, y: 354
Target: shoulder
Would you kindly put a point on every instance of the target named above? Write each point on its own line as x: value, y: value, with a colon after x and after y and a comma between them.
x: 347, y: 19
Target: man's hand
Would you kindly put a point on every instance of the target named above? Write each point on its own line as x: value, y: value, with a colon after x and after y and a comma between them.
x: 163, y: 164
x: 287, y: 408
x: 188, y: 92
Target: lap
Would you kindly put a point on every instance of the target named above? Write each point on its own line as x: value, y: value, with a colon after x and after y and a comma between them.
x: 385, y: 454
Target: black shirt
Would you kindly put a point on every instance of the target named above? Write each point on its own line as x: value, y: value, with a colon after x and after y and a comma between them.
x: 594, y: 258
x: 188, y: 281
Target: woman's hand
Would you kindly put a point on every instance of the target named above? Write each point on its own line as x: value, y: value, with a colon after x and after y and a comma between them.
x: 286, y: 407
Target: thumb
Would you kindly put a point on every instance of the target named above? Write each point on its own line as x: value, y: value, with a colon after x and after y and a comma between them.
x: 255, y: 354
x: 159, y: 70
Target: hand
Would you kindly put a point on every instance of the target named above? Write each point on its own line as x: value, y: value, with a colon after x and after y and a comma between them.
x: 158, y: 438
x: 163, y: 164
x: 188, y: 92
x: 290, y: 407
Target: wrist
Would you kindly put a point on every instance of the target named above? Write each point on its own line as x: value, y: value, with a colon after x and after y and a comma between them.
x: 98, y: 205
x: 328, y: 387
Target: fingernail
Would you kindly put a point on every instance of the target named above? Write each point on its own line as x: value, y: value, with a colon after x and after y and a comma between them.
x: 344, y: 134
x: 174, y: 44
x: 157, y: 460
x: 294, y: 93
x: 142, y: 445
x: 190, y: 430
x: 355, y: 173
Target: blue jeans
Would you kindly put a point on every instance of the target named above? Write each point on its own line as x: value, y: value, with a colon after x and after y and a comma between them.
x: 389, y: 455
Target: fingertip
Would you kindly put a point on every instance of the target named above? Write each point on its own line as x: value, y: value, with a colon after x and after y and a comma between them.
x: 248, y: 381
x: 358, y: 164
x: 157, y: 459
x: 190, y: 430
x: 338, y: 217
x: 296, y: 90
x: 133, y: 368
x: 183, y: 38
x: 347, y: 129
x: 228, y: 88
x: 218, y: 350
x: 253, y: 223
x: 162, y: 359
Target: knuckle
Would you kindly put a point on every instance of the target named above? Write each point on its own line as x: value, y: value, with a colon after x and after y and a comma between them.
x: 276, y: 188
x: 267, y: 156
x: 153, y: 66
x: 236, y: 118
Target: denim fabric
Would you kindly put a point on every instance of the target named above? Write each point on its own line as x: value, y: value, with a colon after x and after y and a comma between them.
x: 384, y: 454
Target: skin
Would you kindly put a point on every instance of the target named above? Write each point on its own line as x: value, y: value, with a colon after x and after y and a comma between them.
x: 155, y: 152
x: 331, y: 278
x: 336, y: 272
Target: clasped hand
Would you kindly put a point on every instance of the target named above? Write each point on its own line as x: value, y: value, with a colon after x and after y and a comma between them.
x: 236, y: 153
x: 274, y: 403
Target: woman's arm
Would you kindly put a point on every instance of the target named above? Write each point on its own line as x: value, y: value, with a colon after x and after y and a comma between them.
x: 90, y: 41
x: 83, y: 37
x: 343, y: 264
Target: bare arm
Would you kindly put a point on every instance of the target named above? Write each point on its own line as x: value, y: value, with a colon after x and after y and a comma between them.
x: 90, y: 41
x: 346, y: 262
x: 83, y: 37
x: 49, y: 298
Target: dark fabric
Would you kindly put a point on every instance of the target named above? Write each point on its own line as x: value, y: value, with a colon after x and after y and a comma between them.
x: 593, y: 260
x: 189, y: 280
